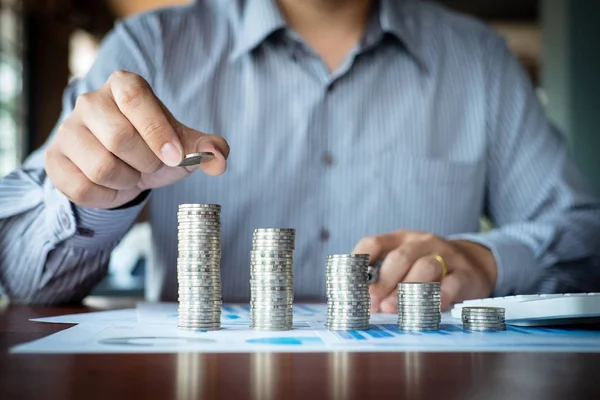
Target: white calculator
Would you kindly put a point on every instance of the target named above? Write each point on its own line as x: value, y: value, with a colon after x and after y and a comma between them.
x: 542, y: 309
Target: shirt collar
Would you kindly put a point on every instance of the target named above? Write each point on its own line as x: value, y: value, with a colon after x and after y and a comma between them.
x: 395, y: 19
x: 260, y: 18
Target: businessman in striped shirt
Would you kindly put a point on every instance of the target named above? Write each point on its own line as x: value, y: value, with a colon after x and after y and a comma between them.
x: 384, y: 127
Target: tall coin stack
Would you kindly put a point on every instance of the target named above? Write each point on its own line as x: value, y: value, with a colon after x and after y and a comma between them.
x: 199, y: 266
x: 419, y: 306
x: 272, y: 279
x: 348, y: 301
x: 483, y: 318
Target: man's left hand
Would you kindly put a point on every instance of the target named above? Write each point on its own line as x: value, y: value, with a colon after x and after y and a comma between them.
x: 410, y: 256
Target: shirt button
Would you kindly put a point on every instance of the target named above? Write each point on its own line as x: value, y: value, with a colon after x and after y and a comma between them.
x: 328, y: 158
x: 64, y: 219
x: 324, y: 234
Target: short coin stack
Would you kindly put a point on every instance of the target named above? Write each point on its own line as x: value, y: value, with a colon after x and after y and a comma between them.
x: 199, y: 266
x: 272, y: 279
x: 419, y: 306
x: 483, y: 318
x: 348, y: 301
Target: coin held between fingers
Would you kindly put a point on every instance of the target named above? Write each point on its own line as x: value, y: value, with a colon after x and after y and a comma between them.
x: 196, y: 159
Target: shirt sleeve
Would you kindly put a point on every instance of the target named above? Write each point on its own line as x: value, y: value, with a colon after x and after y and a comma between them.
x: 52, y: 251
x: 547, y: 219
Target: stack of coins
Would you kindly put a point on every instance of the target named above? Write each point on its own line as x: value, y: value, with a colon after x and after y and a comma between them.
x: 483, y: 319
x: 419, y: 306
x: 198, y: 266
x: 272, y: 279
x: 348, y: 301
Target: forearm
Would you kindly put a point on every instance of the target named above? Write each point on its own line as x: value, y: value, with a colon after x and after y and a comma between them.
x: 546, y: 255
x: 52, y: 252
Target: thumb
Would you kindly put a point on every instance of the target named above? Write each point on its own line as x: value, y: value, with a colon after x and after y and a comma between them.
x: 194, y: 141
x: 197, y: 142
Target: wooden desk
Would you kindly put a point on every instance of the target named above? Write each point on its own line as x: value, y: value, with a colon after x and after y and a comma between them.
x: 262, y: 376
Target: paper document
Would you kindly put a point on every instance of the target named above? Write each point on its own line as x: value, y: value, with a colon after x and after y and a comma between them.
x: 154, y: 330
x: 127, y: 315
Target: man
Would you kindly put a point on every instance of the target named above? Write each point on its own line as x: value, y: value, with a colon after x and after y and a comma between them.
x: 384, y: 127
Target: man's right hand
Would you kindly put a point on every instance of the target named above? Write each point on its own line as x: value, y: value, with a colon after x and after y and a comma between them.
x: 121, y: 140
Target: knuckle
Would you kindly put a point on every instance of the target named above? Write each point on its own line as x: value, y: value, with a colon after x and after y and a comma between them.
x: 131, y: 96
x: 49, y: 158
x: 63, y: 130
x: 431, y: 269
x: 152, y: 166
x: 371, y: 242
x: 152, y: 130
x: 120, y: 75
x: 69, y: 127
x: 121, y: 139
x: 364, y: 245
x: 429, y: 237
x: 82, y: 192
x: 400, y: 255
x: 85, y: 101
x: 105, y: 170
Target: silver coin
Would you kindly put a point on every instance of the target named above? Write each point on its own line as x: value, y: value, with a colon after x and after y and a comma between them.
x: 419, y: 328
x: 199, y: 212
x: 270, y: 255
x: 347, y: 303
x: 271, y: 277
x: 197, y: 270
x: 286, y: 305
x: 423, y: 293
x: 477, y: 328
x: 340, y: 322
x: 258, y: 240
x: 270, y: 230
x: 338, y: 306
x: 484, y: 310
x: 200, y: 328
x: 418, y: 285
x: 199, y: 261
x: 482, y: 319
x: 419, y: 312
x: 349, y: 256
x: 420, y: 308
x: 198, y: 205
x: 212, y: 304
x: 498, y: 323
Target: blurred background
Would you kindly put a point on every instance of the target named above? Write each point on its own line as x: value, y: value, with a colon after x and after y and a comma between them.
x: 46, y: 43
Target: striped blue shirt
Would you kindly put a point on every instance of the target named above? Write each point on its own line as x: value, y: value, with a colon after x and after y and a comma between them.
x: 428, y: 124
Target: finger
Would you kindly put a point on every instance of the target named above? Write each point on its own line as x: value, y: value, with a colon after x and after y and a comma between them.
x: 425, y: 269
x: 98, y: 164
x: 375, y: 303
x: 198, y: 142
x: 104, y: 119
x: 396, y: 265
x: 73, y: 183
x: 450, y: 288
x: 390, y: 303
x: 136, y: 100
x: 379, y: 246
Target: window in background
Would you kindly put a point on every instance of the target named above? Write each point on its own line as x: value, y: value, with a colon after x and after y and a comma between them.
x: 12, y: 110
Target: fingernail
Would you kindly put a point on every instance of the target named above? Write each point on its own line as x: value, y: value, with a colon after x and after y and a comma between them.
x: 171, y: 155
x: 374, y: 303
